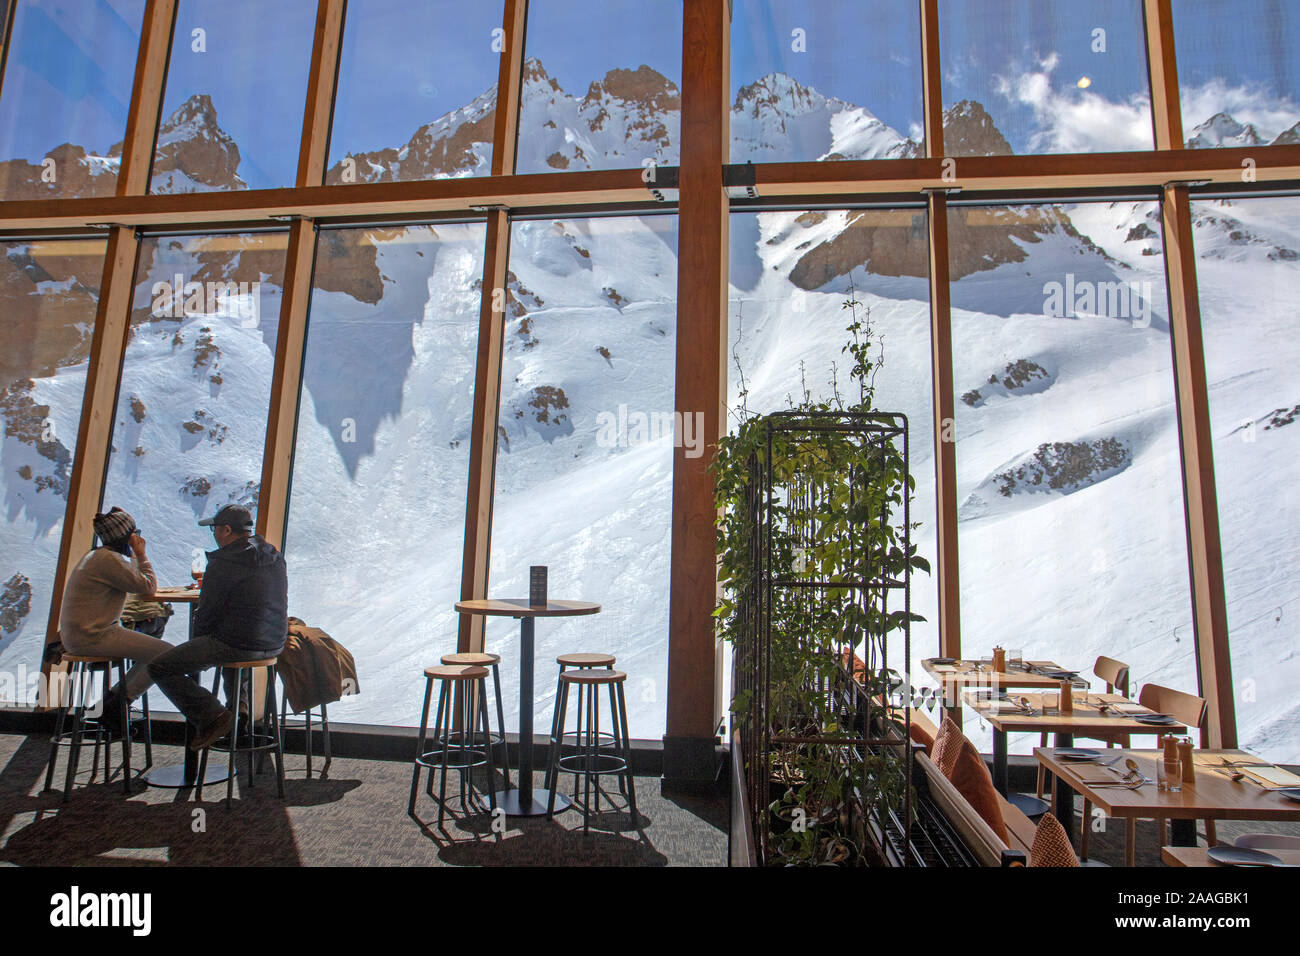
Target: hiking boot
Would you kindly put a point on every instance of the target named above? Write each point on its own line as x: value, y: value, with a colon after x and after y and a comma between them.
x: 213, y: 730
x: 111, y: 713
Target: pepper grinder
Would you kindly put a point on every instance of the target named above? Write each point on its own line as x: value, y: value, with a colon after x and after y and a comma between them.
x: 1067, y: 697
x: 999, y: 660
x: 1171, y: 773
x: 1185, y: 758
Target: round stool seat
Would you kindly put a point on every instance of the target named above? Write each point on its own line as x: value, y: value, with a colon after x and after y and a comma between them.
x: 245, y: 665
x: 472, y: 657
x: 593, y: 676
x: 88, y: 659
x: 586, y: 660
x: 456, y: 672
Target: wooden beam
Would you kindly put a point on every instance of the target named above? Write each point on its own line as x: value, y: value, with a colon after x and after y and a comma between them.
x: 6, y: 32
x: 1209, y: 604
x: 931, y: 78
x: 479, y: 499
x: 701, y: 383
x: 505, y: 135
x: 1162, y: 67
x: 98, y: 408
x: 483, y: 428
x: 286, y: 382
x: 146, y: 98
x: 318, y: 112
x: 945, y: 438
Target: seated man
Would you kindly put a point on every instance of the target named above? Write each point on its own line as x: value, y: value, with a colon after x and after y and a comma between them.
x: 242, y: 615
x: 93, y: 599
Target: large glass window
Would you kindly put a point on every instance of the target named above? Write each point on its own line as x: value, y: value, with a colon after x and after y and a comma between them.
x: 190, y: 425
x: 1070, y: 514
x: 48, y: 295
x: 802, y: 90
x: 416, y: 91
x: 601, y: 85
x: 1052, y: 76
x: 792, y: 276
x: 1248, y: 265
x: 67, y: 90
x: 1237, y: 76
x: 236, y: 87
x: 377, y: 516
x: 585, y: 452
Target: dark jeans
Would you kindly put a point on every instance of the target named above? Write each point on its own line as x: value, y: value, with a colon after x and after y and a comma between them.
x: 171, y: 672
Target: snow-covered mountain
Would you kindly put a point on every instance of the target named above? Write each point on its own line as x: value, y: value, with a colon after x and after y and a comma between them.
x: 1071, y: 520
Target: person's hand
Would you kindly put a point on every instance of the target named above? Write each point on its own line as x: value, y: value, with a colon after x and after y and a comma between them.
x: 137, y: 544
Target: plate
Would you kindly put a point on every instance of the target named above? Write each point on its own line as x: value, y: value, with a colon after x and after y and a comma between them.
x: 1078, y: 753
x: 989, y: 693
x: 1241, y: 856
x: 1061, y: 675
x: 1158, y: 720
x: 1291, y: 793
x: 943, y: 660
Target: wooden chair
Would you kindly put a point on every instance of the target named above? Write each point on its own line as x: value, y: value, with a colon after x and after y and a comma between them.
x: 1115, y: 674
x: 1187, y: 709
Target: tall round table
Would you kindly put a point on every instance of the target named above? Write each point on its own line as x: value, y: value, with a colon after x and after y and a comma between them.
x: 525, y: 801
x: 182, y: 775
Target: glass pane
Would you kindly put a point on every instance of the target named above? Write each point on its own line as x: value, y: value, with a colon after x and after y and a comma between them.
x: 236, y: 87
x: 417, y: 91
x: 791, y: 276
x: 584, y: 457
x: 1070, y: 513
x: 383, y: 432
x: 192, y: 404
x: 66, y: 94
x: 802, y: 90
x: 1247, y: 251
x: 1052, y: 76
x: 601, y: 86
x: 49, y: 292
x: 1237, y: 74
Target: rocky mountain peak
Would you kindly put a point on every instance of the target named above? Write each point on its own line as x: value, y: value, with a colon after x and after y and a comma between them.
x: 194, y: 153
x: 779, y: 92
x: 644, y: 87
x: 1221, y: 129
x: 968, y: 130
x: 1290, y: 137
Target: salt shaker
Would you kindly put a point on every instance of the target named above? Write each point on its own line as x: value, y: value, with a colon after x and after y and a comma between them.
x: 1067, y: 697
x: 1185, y: 758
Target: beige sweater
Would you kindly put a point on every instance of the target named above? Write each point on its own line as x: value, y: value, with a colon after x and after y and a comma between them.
x: 96, y: 592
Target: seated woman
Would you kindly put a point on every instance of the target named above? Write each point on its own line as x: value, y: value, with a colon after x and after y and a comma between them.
x: 93, y: 601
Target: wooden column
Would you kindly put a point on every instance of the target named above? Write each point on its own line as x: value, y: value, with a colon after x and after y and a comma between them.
x: 1166, y: 106
x: 321, y: 84
x: 931, y: 78
x: 146, y: 98
x: 701, y: 386
x: 1209, y: 604
x: 487, y: 371
x: 6, y: 30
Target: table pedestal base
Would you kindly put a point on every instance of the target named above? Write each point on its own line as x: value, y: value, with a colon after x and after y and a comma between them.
x: 509, y: 800
x: 174, y: 777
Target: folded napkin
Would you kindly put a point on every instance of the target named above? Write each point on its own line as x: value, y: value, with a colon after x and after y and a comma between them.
x: 944, y: 669
x: 1095, y: 773
x: 998, y: 706
x: 1273, y: 777
x: 1129, y: 708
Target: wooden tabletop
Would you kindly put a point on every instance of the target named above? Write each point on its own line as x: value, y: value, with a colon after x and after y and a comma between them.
x: 1210, y: 795
x: 182, y: 594
x: 1199, y: 856
x: 519, y: 607
x: 1084, y: 720
x: 981, y: 674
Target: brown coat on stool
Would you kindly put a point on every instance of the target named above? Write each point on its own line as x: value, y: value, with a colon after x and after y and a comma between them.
x: 315, y: 668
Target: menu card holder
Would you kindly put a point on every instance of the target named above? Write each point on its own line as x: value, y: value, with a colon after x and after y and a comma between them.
x: 537, y: 585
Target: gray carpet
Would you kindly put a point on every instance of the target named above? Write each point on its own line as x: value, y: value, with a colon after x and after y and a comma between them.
x: 354, y: 816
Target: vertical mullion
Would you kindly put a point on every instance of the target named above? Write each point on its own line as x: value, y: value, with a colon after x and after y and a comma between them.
x: 487, y: 368
x: 1162, y: 67
x: 700, y: 384
x: 321, y: 86
x: 6, y: 30
x: 1209, y: 602
x: 931, y: 79
x: 146, y: 98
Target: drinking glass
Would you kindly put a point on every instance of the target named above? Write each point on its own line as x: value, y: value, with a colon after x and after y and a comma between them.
x: 1169, y: 777
x: 1016, y: 658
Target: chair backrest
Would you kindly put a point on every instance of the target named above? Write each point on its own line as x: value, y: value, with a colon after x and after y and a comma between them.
x: 978, y: 837
x: 1267, y: 841
x: 1113, y: 672
x: 1183, y: 707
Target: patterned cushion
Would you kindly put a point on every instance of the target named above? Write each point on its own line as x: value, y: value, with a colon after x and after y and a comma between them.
x: 1051, y: 845
x: 945, y: 746
x: 973, y: 781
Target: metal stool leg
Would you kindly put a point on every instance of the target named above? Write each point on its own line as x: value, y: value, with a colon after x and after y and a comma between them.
x: 274, y: 728
x: 59, y: 723
x: 627, y: 753
x: 444, y: 721
x: 148, y: 730
x: 419, y: 752
x: 563, y: 705
x: 325, y: 733
x: 126, y: 725
x: 487, y: 732
x: 78, y: 715
x: 234, y: 744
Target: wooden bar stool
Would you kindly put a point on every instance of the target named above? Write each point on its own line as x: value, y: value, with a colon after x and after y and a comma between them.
x: 481, y: 659
x: 465, y: 682
x: 74, y: 698
x: 582, y: 661
x: 251, y: 742
x: 589, y: 762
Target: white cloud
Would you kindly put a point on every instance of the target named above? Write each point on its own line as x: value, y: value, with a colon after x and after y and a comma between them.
x: 1268, y: 113
x: 1073, y: 121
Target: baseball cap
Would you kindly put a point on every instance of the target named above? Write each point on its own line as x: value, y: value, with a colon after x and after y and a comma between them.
x: 236, y: 516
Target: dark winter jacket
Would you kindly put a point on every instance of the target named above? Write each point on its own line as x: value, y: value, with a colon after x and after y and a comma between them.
x: 245, y: 597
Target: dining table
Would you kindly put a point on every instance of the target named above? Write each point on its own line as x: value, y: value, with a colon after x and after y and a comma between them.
x: 185, y: 774
x: 1200, y: 856
x: 525, y: 800
x: 1214, y: 794
x: 1106, y: 715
